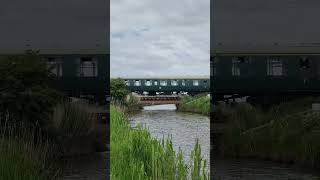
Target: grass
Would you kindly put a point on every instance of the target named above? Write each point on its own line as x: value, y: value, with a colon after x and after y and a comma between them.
x: 136, y: 155
x: 24, y: 154
x: 72, y: 119
x: 287, y: 133
x: 30, y: 153
x: 196, y: 104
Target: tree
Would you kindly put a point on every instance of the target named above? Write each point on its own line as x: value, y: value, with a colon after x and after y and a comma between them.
x: 24, y: 88
x: 118, y: 89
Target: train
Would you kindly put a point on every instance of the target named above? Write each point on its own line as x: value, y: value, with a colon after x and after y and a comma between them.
x: 264, y: 50
x: 168, y: 85
x: 72, y: 38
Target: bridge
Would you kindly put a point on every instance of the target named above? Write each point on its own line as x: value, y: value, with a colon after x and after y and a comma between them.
x: 168, y: 85
x: 159, y: 100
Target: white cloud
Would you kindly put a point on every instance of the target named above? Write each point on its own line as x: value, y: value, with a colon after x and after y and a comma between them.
x: 160, y: 37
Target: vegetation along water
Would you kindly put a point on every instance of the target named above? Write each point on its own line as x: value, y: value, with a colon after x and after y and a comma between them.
x: 135, y: 154
x: 287, y: 133
x: 39, y: 125
x: 196, y: 104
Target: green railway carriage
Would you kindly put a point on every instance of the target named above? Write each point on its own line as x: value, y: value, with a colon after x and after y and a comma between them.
x: 266, y: 73
x: 192, y: 85
x: 264, y: 49
x: 71, y: 36
x: 80, y: 75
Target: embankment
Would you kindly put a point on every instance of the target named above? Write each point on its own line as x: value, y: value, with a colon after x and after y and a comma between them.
x: 195, y: 104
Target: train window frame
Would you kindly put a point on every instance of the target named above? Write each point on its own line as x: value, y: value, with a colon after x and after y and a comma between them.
x: 195, y: 82
x: 235, y: 69
x: 275, y: 67
x: 84, y: 64
x: 304, y: 65
x: 238, y: 63
x: 183, y: 82
x: 137, y: 82
x: 155, y: 82
x: 148, y: 82
x: 163, y: 83
x: 174, y: 82
x: 54, y: 64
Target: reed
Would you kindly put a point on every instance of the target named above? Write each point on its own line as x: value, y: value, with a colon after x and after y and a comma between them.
x: 25, y: 154
x: 136, y: 155
x: 287, y: 133
x: 197, y: 104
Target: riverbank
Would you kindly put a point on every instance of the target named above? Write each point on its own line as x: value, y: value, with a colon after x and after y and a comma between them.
x: 29, y: 151
x: 286, y: 133
x: 136, y: 155
x: 195, y: 104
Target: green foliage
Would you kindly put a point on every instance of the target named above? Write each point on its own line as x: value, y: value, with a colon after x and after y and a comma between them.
x: 24, y: 91
x: 24, y: 154
x: 196, y: 104
x: 118, y: 89
x: 288, y: 132
x: 72, y: 119
x: 136, y: 155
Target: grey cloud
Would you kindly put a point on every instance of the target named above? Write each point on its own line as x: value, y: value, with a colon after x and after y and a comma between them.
x: 160, y: 37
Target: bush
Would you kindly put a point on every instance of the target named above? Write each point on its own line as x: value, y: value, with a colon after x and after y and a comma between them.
x: 24, y: 91
x: 118, y: 89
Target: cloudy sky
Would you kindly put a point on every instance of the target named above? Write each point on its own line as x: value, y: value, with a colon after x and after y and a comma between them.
x: 160, y: 38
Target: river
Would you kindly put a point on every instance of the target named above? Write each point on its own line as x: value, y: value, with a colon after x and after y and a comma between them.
x: 185, y: 128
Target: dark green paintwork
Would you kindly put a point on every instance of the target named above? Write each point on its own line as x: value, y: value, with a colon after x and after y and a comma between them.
x: 255, y: 78
x: 74, y: 85
x: 202, y: 87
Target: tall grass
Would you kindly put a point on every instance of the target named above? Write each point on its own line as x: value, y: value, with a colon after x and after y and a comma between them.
x: 24, y: 154
x: 136, y: 155
x: 129, y: 104
x: 73, y: 119
x: 288, y: 132
x: 196, y: 104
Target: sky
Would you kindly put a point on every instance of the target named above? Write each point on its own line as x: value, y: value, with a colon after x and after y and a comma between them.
x: 159, y: 38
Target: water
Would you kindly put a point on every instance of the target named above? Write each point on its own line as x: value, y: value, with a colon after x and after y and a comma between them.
x: 225, y: 169
x: 185, y: 128
x: 90, y: 167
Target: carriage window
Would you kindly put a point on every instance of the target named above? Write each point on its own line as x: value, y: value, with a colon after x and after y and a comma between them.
x: 163, y: 83
x: 196, y: 82
x: 304, y: 63
x: 156, y: 83
x: 174, y: 83
x: 127, y: 83
x: 183, y: 83
x: 235, y: 67
x: 137, y: 83
x: 55, y: 65
x: 275, y: 67
x: 88, y: 67
x: 148, y: 83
